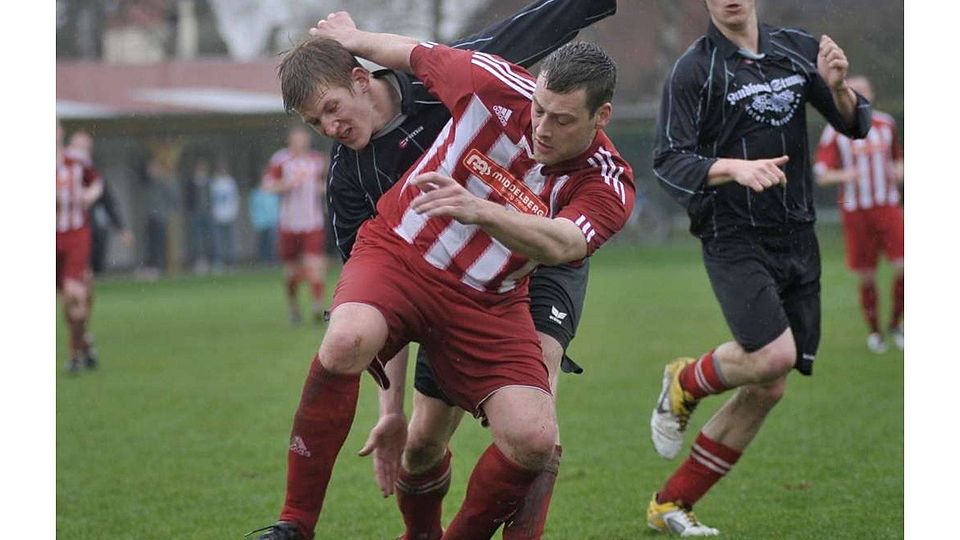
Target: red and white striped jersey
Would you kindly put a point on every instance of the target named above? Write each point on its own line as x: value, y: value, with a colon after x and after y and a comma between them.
x: 301, y: 208
x: 486, y: 147
x: 872, y: 157
x: 73, y: 177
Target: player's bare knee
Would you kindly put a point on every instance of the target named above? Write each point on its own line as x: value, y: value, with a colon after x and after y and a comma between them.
x: 422, y: 452
x: 764, y: 396
x: 343, y: 351
x: 775, y: 359
x: 531, y: 447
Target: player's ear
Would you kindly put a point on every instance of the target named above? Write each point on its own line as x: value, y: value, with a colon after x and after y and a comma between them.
x: 603, y: 115
x: 361, y: 78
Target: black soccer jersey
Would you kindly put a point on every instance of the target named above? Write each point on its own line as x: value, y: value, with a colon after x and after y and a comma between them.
x: 357, y: 180
x: 721, y: 102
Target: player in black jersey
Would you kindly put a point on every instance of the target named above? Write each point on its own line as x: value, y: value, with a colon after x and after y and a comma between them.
x: 379, y: 134
x: 732, y: 148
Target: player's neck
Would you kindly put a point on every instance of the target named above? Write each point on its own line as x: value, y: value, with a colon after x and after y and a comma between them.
x: 386, y: 102
x: 745, y: 36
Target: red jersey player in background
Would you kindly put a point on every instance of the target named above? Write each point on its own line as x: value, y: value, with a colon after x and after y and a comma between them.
x: 78, y: 186
x: 298, y: 173
x: 868, y: 172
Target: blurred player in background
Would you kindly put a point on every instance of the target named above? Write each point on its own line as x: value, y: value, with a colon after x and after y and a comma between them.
x: 732, y: 149
x: 867, y: 172
x: 78, y: 186
x: 104, y: 214
x: 298, y: 174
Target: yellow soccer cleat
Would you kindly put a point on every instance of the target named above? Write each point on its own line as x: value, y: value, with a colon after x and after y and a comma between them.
x: 672, y: 518
x: 673, y: 410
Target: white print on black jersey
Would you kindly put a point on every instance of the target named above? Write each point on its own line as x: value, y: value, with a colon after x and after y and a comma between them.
x: 772, y: 103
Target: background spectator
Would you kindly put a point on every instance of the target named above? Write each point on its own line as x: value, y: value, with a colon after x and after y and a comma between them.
x: 161, y: 204
x: 225, y: 205
x: 198, y: 207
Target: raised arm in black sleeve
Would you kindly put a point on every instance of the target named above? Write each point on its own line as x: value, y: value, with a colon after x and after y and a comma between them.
x: 347, y: 203
x: 537, y: 30
x: 820, y: 96
x: 677, y: 163
x: 110, y: 206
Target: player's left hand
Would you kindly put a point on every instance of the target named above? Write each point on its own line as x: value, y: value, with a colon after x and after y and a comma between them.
x: 444, y: 196
x: 386, y: 442
x: 832, y: 63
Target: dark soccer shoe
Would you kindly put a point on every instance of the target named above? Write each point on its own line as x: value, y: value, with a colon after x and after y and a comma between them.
x: 280, y: 530
x: 90, y: 359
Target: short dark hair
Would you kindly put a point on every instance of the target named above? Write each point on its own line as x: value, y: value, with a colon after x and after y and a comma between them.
x: 313, y: 61
x: 581, y: 65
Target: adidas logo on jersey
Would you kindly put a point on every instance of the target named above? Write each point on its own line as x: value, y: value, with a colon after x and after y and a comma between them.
x: 502, y: 113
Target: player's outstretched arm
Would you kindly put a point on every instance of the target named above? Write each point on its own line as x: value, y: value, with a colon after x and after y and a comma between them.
x: 388, y: 50
x: 545, y: 240
x: 539, y: 28
x: 388, y: 437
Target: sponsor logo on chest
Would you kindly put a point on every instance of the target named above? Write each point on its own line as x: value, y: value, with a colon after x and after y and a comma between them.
x: 774, y: 102
x: 502, y: 182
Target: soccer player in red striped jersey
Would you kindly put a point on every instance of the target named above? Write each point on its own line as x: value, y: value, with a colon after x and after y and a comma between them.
x: 298, y: 173
x: 868, y: 172
x: 522, y: 174
x: 78, y: 186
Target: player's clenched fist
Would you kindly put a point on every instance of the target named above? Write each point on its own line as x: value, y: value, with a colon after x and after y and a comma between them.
x: 832, y: 63
x: 760, y: 174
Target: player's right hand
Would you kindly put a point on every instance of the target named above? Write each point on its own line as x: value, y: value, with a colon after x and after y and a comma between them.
x: 761, y: 174
x: 337, y: 26
x: 386, y: 442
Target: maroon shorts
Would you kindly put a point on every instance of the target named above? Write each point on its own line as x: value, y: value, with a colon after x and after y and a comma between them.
x: 868, y: 232
x: 295, y: 244
x: 73, y: 255
x: 477, y: 342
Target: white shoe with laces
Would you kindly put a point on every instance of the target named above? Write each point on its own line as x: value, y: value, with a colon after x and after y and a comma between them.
x: 876, y: 344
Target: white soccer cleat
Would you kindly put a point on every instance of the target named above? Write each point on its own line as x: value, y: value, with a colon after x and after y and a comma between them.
x: 876, y: 344
x: 670, y: 416
x: 673, y: 518
x: 897, y: 334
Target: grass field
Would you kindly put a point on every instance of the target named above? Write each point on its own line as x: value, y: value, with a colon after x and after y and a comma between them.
x: 183, y: 431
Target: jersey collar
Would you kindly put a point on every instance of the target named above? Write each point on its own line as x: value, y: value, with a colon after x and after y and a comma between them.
x: 727, y: 48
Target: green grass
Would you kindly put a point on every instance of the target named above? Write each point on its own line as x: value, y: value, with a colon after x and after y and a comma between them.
x: 183, y: 432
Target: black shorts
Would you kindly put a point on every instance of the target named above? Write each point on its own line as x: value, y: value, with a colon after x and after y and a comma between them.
x: 556, y: 303
x: 766, y: 283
